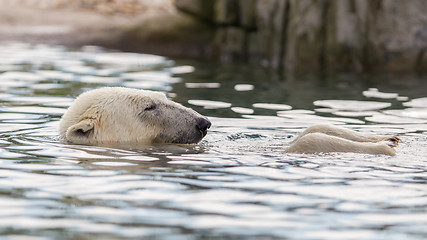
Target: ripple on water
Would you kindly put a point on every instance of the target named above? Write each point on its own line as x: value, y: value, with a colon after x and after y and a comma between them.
x: 139, y: 158
x: 108, y: 72
x: 242, y: 110
x: 352, y: 105
x: 114, y: 164
x: 22, y: 76
x: 181, y: 69
x: 46, y: 86
x: 269, y: 173
x: 10, y: 68
x: 272, y: 106
x: 374, y: 93
x: 420, y: 113
x: 17, y: 116
x: 417, y: 102
x: 208, y: 104
x: 56, y: 75
x: 129, y: 61
x: 11, y: 127
x: 244, y: 87
x: 315, y: 119
x: 36, y: 99
x: 151, y: 76
x: 354, y: 114
x: 35, y: 109
x: 11, y: 83
x: 157, y: 86
x: 386, y: 118
x: 79, y: 70
x: 202, y: 85
x: 100, y: 80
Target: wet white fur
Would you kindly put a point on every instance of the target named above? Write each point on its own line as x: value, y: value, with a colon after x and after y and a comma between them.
x: 328, y: 138
x: 112, y: 115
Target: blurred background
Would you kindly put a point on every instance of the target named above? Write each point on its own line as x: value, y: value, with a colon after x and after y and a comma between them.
x: 344, y: 35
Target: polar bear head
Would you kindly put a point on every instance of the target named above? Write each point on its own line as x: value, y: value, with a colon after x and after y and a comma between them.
x: 122, y: 116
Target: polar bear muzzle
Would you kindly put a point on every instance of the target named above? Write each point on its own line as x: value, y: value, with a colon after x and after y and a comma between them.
x: 199, y: 132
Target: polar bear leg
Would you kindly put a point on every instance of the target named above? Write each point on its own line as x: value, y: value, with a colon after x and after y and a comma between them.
x: 321, y: 142
x: 345, y: 133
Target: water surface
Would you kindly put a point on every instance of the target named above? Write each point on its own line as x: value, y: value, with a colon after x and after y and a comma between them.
x: 237, y: 183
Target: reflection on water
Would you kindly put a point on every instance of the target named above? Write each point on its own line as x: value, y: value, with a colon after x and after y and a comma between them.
x: 237, y: 183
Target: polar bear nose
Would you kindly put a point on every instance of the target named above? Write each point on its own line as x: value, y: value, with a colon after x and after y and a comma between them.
x: 203, y: 124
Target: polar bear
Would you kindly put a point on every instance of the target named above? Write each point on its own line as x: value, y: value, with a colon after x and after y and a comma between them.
x: 328, y: 138
x: 117, y: 116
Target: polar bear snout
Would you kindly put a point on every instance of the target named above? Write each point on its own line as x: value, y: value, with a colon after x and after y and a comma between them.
x: 200, y: 130
x: 203, y: 124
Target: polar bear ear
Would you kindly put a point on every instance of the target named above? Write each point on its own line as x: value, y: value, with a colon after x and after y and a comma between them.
x: 80, y: 132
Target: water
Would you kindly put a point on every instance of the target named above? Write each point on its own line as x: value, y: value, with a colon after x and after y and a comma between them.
x: 237, y: 183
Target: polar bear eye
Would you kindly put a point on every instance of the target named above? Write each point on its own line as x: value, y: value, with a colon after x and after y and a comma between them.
x: 150, y: 107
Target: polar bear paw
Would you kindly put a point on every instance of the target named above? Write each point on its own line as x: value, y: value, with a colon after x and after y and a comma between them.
x: 393, y: 141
